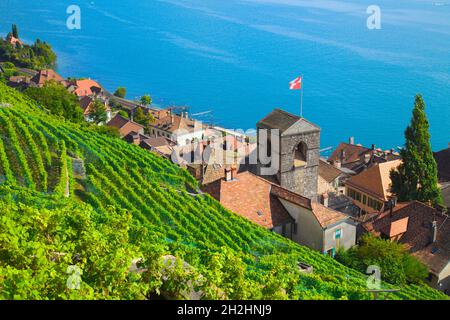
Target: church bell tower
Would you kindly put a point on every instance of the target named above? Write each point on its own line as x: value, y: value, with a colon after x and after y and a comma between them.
x: 295, y: 150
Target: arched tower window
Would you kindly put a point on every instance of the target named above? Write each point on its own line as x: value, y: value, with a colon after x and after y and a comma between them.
x: 300, y: 155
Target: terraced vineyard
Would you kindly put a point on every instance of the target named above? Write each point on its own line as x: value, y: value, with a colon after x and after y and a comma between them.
x: 39, y: 152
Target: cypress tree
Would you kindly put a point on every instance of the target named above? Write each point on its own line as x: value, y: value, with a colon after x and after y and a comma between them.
x: 416, y: 178
x: 15, y: 31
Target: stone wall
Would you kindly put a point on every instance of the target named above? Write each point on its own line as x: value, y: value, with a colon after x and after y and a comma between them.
x: 302, y: 180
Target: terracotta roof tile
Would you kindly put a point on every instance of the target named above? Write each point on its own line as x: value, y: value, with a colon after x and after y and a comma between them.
x: 326, y: 216
x: 85, y: 87
x: 418, y: 235
x: 375, y: 180
x: 250, y: 196
x: 46, y: 75
x: 124, y: 125
x: 328, y: 172
x: 348, y: 153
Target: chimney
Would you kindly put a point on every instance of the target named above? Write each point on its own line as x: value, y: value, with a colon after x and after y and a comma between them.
x: 171, y: 118
x: 351, y: 140
x: 325, y: 199
x: 434, y: 231
x: 342, y: 155
x: 337, y: 164
x: 367, y: 157
x: 392, y: 204
x: 228, y: 175
x: 233, y: 172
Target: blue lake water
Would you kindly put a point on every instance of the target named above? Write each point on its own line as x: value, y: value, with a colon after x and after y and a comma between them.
x: 236, y: 57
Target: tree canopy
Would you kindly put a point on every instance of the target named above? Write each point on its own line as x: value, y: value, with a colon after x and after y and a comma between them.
x: 396, y: 264
x: 417, y: 178
x: 38, y: 56
x: 15, y: 31
x: 143, y: 118
x: 99, y: 113
x: 57, y: 100
x: 120, y: 92
x: 146, y: 100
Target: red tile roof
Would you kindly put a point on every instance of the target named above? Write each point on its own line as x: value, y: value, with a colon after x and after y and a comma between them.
x: 326, y: 216
x: 125, y: 126
x: 328, y: 172
x: 258, y: 200
x: 85, y: 87
x: 417, y: 218
x: 348, y: 153
x: 250, y: 196
x: 46, y: 75
x: 376, y: 180
x: 172, y: 123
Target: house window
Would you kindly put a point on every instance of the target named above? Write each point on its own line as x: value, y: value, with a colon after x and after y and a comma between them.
x: 338, y: 234
x: 295, y: 228
x: 283, y: 230
x: 364, y: 199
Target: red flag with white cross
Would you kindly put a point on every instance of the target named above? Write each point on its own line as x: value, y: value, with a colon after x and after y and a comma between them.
x: 296, y: 84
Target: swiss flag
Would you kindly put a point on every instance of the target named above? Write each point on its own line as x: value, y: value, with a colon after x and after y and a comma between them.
x: 296, y: 84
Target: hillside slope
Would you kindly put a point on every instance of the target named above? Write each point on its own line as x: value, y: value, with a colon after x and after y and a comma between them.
x: 78, y: 166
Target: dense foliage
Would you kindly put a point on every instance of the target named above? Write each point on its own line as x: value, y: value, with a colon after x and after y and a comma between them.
x: 98, y: 113
x: 127, y: 205
x: 121, y: 92
x: 9, y: 70
x: 37, y: 56
x: 57, y: 100
x: 396, y: 264
x: 416, y: 178
x: 143, y: 118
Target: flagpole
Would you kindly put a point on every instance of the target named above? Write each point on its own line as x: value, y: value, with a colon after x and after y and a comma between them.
x: 301, y: 98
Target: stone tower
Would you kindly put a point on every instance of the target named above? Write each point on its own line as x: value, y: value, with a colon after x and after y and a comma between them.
x: 295, y: 153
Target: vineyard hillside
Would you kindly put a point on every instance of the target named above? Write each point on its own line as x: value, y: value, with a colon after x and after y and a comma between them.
x: 52, y: 167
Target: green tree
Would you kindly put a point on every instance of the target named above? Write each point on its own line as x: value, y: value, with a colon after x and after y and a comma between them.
x: 124, y: 114
x: 396, y: 264
x: 55, y: 98
x: 140, y: 117
x: 146, y: 100
x: 143, y: 118
x: 416, y: 178
x: 121, y: 92
x: 15, y: 31
x: 99, y: 113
